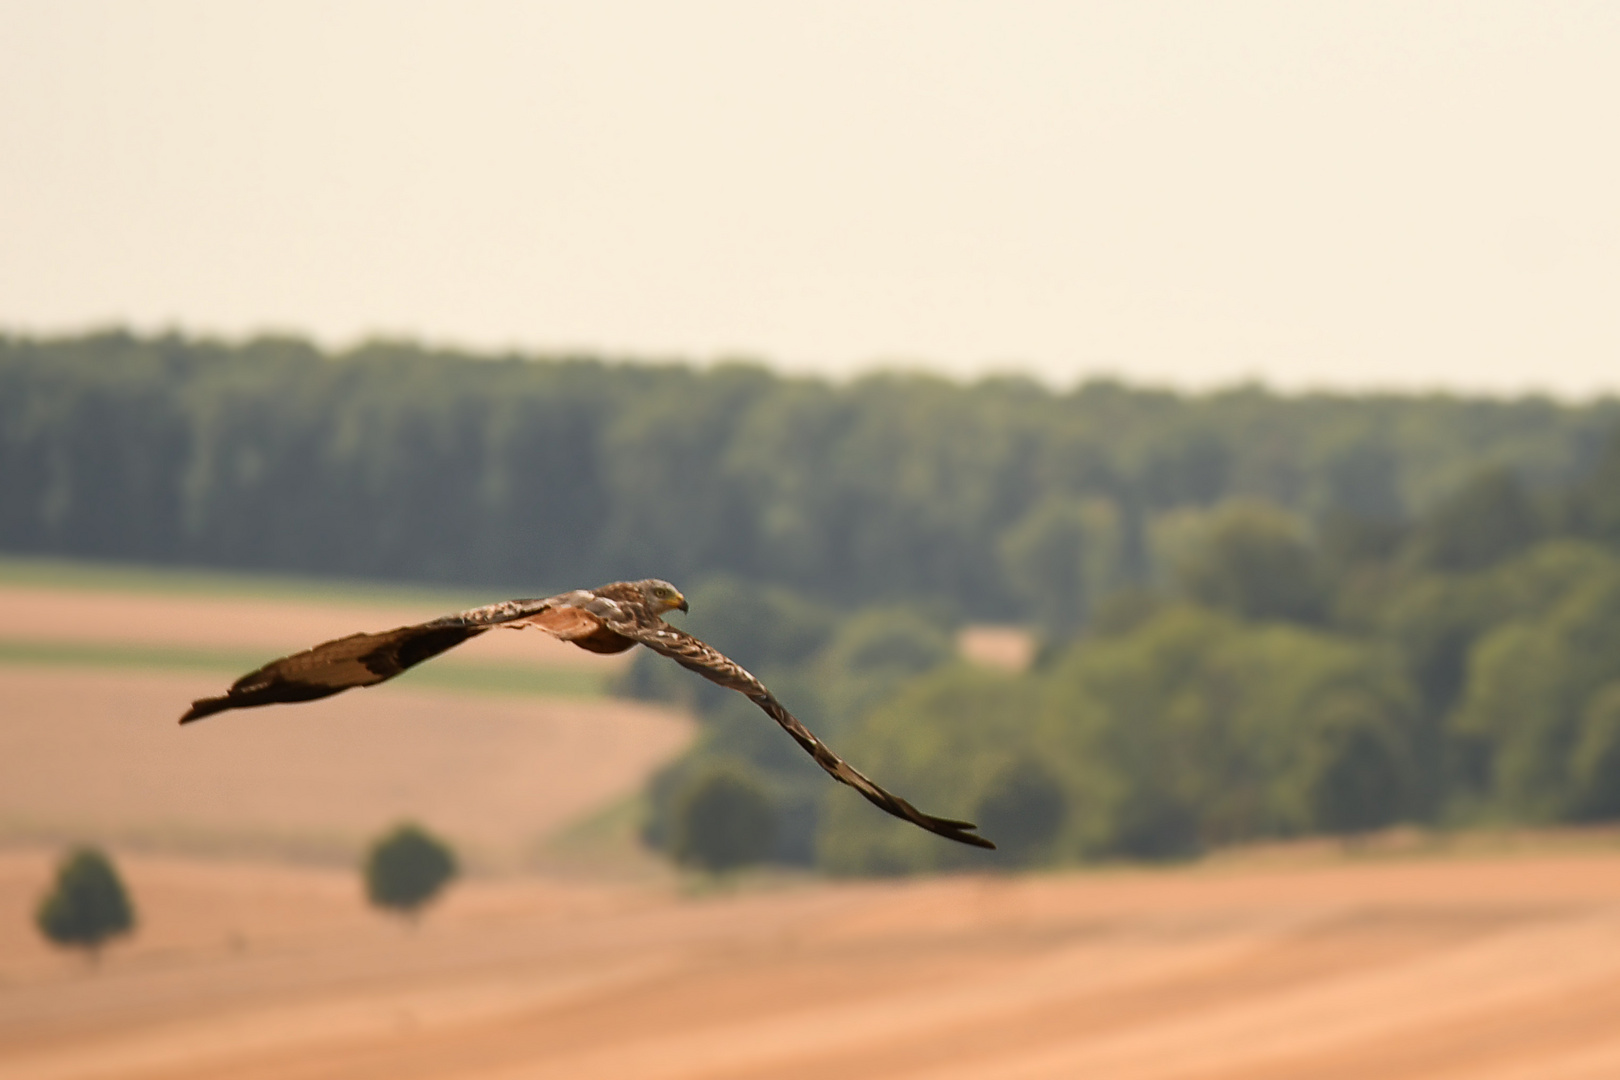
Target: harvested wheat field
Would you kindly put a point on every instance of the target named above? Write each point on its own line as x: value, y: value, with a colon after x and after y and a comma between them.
x: 1489, y: 969
x: 97, y: 753
x: 93, y: 677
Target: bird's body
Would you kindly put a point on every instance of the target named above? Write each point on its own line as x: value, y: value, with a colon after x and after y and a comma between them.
x: 609, y: 619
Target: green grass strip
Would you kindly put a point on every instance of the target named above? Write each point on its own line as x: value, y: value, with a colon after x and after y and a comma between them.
x: 111, y: 654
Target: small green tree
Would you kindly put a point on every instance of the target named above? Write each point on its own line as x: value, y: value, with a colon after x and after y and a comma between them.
x: 88, y: 904
x: 722, y: 821
x: 407, y: 868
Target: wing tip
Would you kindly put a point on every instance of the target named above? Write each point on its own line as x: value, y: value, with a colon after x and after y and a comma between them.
x: 207, y: 706
x: 962, y: 836
x: 963, y: 832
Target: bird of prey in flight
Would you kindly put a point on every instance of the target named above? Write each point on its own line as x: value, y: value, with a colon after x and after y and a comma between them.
x: 609, y: 619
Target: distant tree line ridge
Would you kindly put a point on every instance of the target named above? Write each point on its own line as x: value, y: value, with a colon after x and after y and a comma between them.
x: 394, y: 461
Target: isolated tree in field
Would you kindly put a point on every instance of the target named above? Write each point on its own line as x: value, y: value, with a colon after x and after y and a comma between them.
x: 723, y: 821
x: 407, y: 868
x: 88, y: 904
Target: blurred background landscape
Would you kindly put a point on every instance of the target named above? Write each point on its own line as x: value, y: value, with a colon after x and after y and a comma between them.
x: 1183, y: 442
x: 1350, y: 662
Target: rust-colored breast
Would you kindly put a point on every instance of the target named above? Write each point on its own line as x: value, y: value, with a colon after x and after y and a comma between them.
x: 580, y: 627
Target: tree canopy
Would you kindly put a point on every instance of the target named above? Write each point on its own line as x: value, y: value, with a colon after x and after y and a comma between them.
x: 406, y: 868
x: 87, y: 904
x: 1001, y: 498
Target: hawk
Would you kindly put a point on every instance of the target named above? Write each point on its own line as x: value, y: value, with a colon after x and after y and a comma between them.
x: 609, y: 619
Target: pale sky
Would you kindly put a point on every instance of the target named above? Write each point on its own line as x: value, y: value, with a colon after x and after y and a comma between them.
x: 1404, y: 194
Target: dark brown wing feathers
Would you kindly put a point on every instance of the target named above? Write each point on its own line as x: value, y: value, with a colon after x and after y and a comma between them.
x: 335, y: 666
x: 360, y: 659
x: 695, y: 655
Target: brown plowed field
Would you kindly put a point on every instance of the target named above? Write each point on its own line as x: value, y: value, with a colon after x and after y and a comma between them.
x: 95, y: 752
x: 98, y: 754
x: 1486, y: 969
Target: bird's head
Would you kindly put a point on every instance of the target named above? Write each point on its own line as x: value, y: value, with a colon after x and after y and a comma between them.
x: 662, y: 596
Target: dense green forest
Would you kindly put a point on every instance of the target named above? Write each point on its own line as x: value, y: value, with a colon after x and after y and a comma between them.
x: 394, y: 462
x: 1262, y: 615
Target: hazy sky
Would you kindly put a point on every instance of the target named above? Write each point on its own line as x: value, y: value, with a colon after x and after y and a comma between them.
x: 1360, y: 194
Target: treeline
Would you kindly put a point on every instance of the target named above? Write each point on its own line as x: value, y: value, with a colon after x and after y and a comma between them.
x: 397, y: 462
x: 1285, y: 679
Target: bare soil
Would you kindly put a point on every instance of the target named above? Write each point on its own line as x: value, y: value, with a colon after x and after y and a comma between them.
x: 97, y: 754
x: 1010, y: 648
x: 1505, y: 968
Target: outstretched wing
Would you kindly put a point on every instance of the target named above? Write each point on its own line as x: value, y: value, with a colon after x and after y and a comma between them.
x: 695, y: 655
x: 363, y: 659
